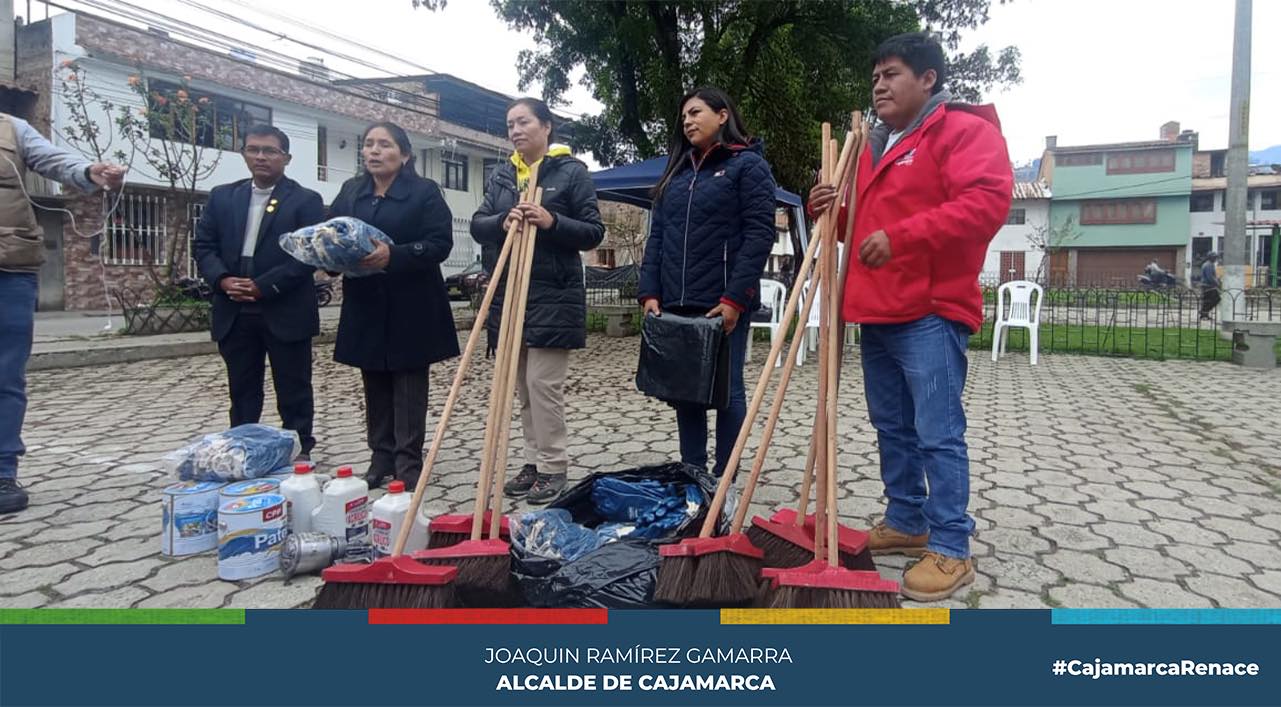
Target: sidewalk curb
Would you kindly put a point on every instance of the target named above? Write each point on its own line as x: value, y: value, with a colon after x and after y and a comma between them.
x: 53, y: 360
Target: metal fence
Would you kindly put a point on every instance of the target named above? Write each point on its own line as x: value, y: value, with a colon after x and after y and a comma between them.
x: 1132, y: 323
x: 465, y: 251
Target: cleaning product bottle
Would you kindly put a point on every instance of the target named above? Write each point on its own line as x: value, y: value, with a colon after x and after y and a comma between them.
x: 390, y: 513
x: 344, y: 509
x: 302, y: 495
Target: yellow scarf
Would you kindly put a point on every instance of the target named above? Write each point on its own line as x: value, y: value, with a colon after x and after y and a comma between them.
x: 522, y: 169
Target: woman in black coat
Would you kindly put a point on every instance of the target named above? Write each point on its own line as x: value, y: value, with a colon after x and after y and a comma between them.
x: 556, y: 312
x: 396, y: 323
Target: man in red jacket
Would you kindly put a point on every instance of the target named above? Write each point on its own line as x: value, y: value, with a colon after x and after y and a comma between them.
x: 933, y: 187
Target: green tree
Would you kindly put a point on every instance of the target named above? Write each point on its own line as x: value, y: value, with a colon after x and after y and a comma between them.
x: 790, y: 64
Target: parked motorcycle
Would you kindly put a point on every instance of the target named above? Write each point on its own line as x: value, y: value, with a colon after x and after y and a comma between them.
x: 1154, y: 277
x: 324, y: 292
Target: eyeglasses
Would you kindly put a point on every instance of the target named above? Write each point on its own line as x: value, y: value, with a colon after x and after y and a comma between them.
x: 254, y: 151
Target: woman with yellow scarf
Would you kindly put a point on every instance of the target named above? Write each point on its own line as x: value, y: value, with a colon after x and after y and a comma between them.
x: 568, y: 222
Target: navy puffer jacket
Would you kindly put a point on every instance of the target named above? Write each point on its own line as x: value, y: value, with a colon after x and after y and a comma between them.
x: 711, y: 232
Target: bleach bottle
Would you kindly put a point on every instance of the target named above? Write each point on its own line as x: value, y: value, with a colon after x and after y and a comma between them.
x: 302, y: 496
x: 390, y: 513
x: 344, y: 508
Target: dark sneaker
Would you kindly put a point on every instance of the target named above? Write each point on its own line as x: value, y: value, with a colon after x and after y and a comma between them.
x: 546, y: 488
x: 12, y: 496
x: 519, y: 486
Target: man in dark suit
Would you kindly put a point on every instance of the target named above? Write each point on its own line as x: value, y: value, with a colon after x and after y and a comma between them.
x: 264, y: 302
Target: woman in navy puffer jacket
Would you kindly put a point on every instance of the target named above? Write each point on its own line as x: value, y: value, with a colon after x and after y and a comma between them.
x: 712, y: 228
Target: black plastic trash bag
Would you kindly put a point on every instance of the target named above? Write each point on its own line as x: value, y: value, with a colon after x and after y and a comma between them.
x: 618, y: 575
x: 684, y: 360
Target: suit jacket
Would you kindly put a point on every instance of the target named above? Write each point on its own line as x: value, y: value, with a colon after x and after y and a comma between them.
x: 288, y: 301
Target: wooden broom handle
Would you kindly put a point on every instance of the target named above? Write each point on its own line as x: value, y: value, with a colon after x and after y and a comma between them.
x: 513, y: 366
x: 789, y: 310
x: 454, y: 389
x: 771, y: 420
x: 516, y: 234
x: 860, y: 140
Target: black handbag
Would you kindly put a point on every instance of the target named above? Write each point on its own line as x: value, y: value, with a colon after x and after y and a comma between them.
x: 684, y: 360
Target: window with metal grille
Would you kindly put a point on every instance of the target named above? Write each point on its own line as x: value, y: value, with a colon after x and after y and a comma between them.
x: 1016, y: 217
x: 1202, y: 202
x: 222, y: 127
x: 1118, y: 211
x: 1079, y: 159
x: 491, y: 166
x: 135, y: 233
x: 455, y: 176
x: 1141, y: 162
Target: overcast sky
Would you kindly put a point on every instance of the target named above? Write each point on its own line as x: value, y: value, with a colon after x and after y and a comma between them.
x: 1093, y: 70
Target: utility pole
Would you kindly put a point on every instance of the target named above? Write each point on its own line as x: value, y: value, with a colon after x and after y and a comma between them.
x: 1237, y: 167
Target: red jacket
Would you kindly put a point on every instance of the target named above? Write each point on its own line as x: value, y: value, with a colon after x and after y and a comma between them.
x: 940, y: 193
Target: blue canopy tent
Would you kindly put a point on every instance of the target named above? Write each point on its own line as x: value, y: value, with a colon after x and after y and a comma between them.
x: 631, y: 184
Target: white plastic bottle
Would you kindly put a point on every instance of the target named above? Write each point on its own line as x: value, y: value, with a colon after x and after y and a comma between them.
x: 302, y: 496
x: 344, y: 508
x: 389, y: 517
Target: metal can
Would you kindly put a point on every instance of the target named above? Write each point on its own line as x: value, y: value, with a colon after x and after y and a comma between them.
x: 248, y: 487
x: 251, y: 531
x: 189, y: 512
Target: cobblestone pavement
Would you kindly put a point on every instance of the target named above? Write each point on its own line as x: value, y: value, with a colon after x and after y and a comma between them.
x: 1096, y: 482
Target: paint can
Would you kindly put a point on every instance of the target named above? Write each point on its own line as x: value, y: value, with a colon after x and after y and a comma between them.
x: 248, y: 487
x: 251, y: 531
x: 190, y: 515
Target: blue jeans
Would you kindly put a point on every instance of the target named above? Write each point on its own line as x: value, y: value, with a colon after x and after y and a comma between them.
x: 913, y: 375
x: 17, y: 326
x: 691, y: 421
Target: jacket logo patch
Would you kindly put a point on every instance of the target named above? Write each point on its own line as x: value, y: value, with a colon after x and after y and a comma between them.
x: 548, y: 190
x: 907, y: 159
x: 719, y: 174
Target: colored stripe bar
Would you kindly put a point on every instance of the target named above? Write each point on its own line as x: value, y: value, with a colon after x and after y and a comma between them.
x: 598, y: 617
x: 123, y: 616
x: 1166, y: 616
x: 836, y: 616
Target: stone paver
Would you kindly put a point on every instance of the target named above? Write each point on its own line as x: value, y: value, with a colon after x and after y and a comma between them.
x: 1096, y: 482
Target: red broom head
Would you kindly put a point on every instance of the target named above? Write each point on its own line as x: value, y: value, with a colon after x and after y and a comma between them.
x: 772, y: 573
x: 461, y: 523
x: 464, y: 550
x: 848, y: 539
x: 836, y: 578
x: 390, y: 570
x: 787, y: 516
x: 787, y: 531
x: 736, y: 543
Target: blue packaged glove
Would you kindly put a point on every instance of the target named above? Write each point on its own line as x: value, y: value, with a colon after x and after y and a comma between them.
x: 336, y: 245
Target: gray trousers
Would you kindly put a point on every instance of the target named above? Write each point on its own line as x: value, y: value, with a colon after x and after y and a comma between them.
x: 540, y: 382
x: 396, y: 421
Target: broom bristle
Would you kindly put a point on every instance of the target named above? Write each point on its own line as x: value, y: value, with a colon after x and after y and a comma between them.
x: 443, y: 539
x: 388, y: 583
x: 785, y: 597
x: 484, y: 572
x: 779, y: 552
x: 675, y: 577
x: 385, y: 596
x: 857, y: 560
x: 725, y: 579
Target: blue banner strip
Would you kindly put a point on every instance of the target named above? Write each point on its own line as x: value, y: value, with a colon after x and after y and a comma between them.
x: 1166, y: 616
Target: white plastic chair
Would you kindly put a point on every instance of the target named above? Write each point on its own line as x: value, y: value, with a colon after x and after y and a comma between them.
x: 1023, y: 313
x: 774, y: 296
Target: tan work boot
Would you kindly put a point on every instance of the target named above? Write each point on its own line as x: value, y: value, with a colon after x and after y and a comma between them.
x: 884, y: 540
x: 936, y: 577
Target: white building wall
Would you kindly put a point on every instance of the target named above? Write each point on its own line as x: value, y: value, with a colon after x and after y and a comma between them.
x: 1017, y: 237
x: 299, y: 123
